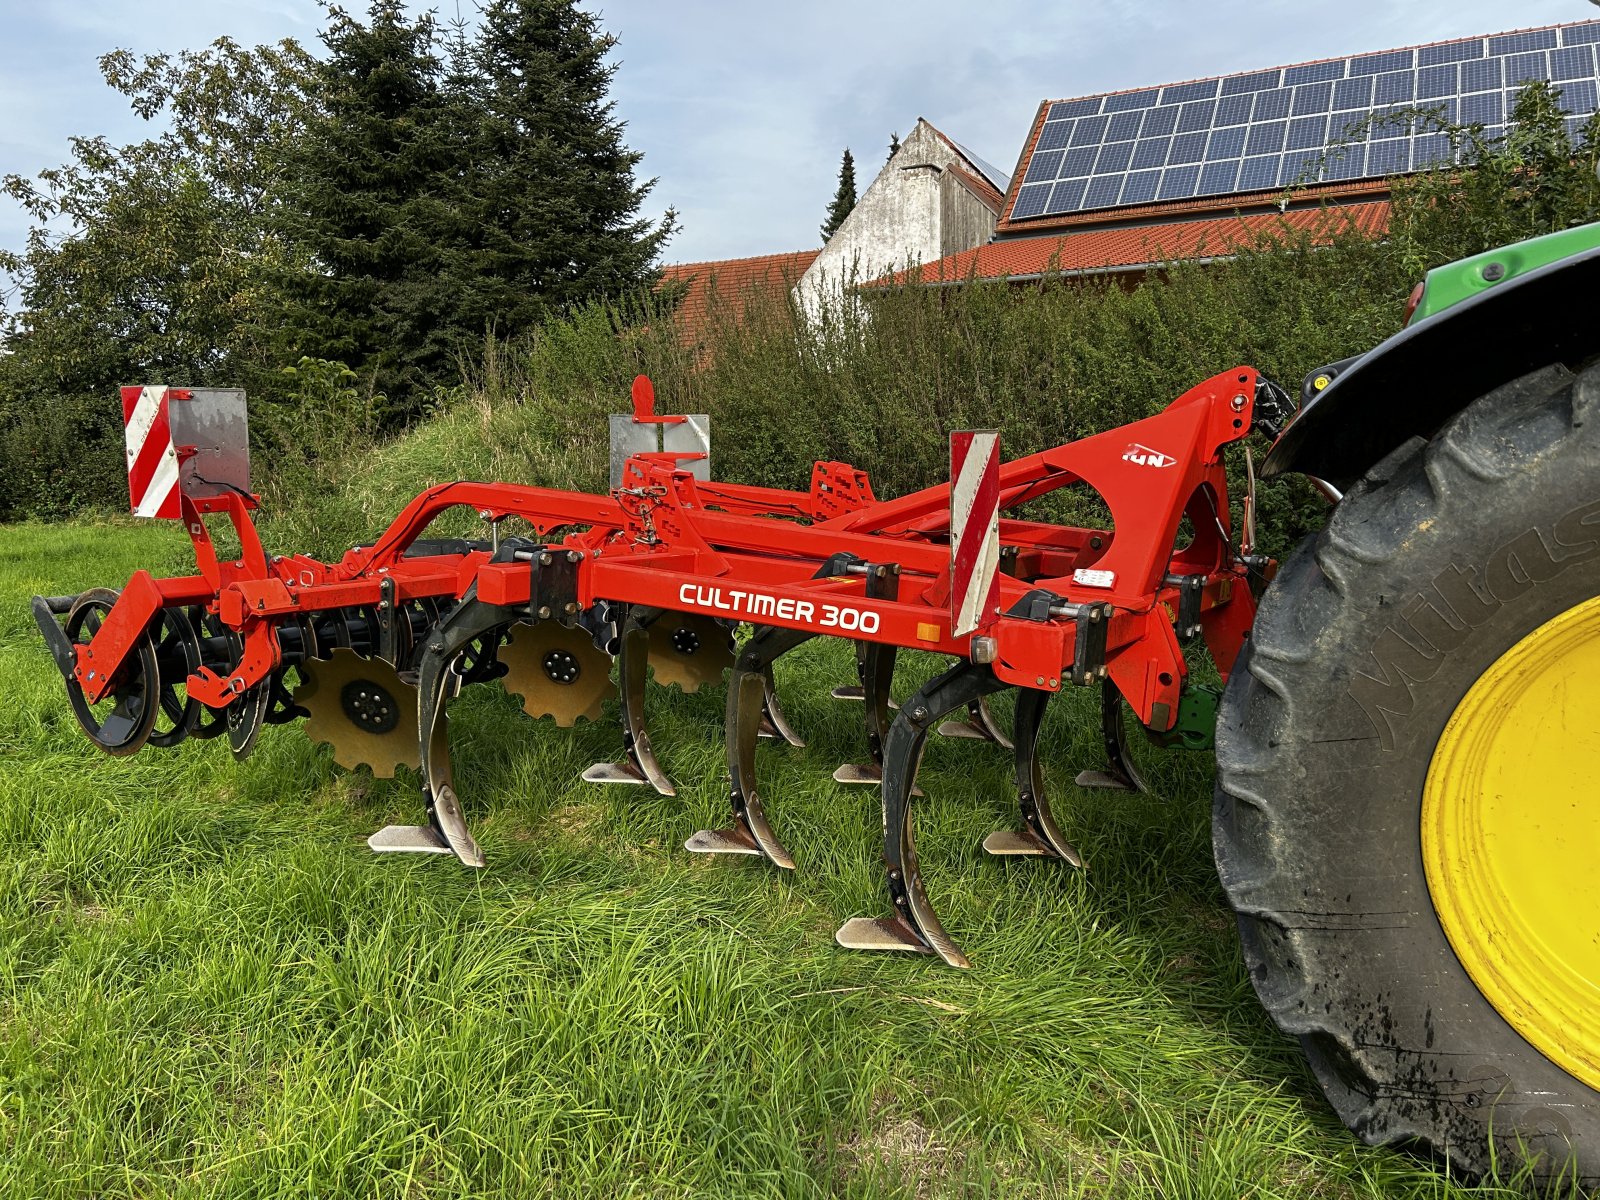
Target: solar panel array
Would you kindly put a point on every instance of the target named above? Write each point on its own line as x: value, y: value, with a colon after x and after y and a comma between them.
x: 1272, y: 129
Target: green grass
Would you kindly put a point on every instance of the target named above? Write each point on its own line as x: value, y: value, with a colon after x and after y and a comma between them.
x: 209, y: 987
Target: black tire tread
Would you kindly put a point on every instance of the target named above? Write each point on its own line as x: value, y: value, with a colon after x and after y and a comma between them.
x: 1493, y: 443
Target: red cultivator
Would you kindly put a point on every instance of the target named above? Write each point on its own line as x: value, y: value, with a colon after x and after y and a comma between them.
x: 659, y: 574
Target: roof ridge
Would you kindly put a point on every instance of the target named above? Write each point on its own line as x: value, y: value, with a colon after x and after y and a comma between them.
x: 749, y: 258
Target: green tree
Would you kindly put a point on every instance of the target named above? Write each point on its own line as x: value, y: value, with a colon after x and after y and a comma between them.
x: 367, y: 201
x: 844, y: 198
x: 144, y: 263
x: 549, y: 206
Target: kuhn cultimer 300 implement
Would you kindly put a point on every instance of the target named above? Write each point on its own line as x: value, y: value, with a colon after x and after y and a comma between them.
x: 1406, y: 745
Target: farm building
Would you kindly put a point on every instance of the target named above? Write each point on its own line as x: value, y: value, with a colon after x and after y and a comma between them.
x: 1121, y: 182
x: 932, y: 198
x: 1124, y: 181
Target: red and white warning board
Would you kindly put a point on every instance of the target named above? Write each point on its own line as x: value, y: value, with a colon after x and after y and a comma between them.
x: 152, y: 456
x: 974, y: 529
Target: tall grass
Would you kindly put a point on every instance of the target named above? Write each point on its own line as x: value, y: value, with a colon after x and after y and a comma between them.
x: 209, y: 988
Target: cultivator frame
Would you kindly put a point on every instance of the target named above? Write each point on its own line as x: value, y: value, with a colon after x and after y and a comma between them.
x: 659, y: 573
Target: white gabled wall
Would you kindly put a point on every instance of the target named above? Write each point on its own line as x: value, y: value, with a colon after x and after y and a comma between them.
x: 900, y: 220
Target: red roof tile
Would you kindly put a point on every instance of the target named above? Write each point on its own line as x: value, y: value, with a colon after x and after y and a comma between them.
x: 1137, y: 247
x: 732, y: 281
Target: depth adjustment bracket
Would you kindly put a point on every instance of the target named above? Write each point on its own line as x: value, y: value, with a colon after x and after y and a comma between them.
x: 388, y: 639
x: 553, y: 584
x: 1090, y: 623
x: 1191, y: 591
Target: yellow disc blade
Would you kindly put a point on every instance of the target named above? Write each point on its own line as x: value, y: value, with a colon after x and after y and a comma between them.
x: 689, y: 650
x: 360, y: 707
x: 558, y: 672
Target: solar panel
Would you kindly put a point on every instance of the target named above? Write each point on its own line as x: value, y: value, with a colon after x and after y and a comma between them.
x: 1292, y: 126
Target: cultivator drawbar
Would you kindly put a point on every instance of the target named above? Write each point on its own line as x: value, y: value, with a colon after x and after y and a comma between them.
x: 654, y: 579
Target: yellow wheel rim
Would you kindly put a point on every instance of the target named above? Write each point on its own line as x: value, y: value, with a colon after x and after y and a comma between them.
x: 1510, y: 833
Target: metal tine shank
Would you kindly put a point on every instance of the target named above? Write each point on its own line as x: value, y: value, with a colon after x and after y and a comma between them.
x: 774, y: 724
x: 1120, y: 773
x: 875, y: 667
x: 913, y: 924
x: 749, y: 832
x: 437, y: 683
x: 750, y: 711
x: 638, y: 765
x: 1039, y: 836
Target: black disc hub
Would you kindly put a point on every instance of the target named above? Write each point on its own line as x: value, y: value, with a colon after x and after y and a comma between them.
x: 562, y: 667
x: 685, y: 640
x: 370, y: 706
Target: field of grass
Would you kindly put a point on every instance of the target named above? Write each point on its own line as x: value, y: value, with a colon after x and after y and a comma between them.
x: 208, y: 985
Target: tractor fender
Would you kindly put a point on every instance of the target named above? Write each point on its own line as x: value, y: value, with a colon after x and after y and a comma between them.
x: 1410, y: 385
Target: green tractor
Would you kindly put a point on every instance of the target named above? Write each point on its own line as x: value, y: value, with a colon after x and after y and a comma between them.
x: 1407, y: 813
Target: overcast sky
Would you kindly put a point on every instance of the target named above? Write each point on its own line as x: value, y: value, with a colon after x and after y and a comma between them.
x: 742, y: 109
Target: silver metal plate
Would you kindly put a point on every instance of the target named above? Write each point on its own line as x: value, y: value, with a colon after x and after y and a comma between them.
x: 215, y: 422
x: 864, y: 775
x: 628, y: 438
x: 408, y: 839
x: 715, y: 841
x: 691, y: 436
x: 868, y: 933
x: 1101, y: 779
x: 615, y: 773
x: 1006, y: 843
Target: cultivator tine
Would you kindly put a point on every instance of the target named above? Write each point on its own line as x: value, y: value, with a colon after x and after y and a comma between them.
x: 980, y: 724
x: 748, y: 695
x: 875, y: 668
x: 638, y: 765
x: 855, y: 692
x: 774, y: 724
x: 1120, y: 773
x: 878, y: 675
x: 438, y: 681
x: 689, y: 650
x: 914, y: 925
x: 558, y: 672
x: 361, y: 708
x: 1039, y: 836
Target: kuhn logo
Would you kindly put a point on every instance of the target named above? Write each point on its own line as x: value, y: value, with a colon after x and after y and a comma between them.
x: 1143, y: 456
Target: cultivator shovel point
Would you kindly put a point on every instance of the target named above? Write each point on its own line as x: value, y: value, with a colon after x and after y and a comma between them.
x: 653, y: 579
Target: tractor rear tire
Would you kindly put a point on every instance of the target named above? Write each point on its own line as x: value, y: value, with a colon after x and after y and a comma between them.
x: 1412, y: 874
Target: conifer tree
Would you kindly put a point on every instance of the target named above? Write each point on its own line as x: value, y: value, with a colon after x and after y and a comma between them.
x: 369, y: 204
x: 844, y: 199
x: 549, y: 206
